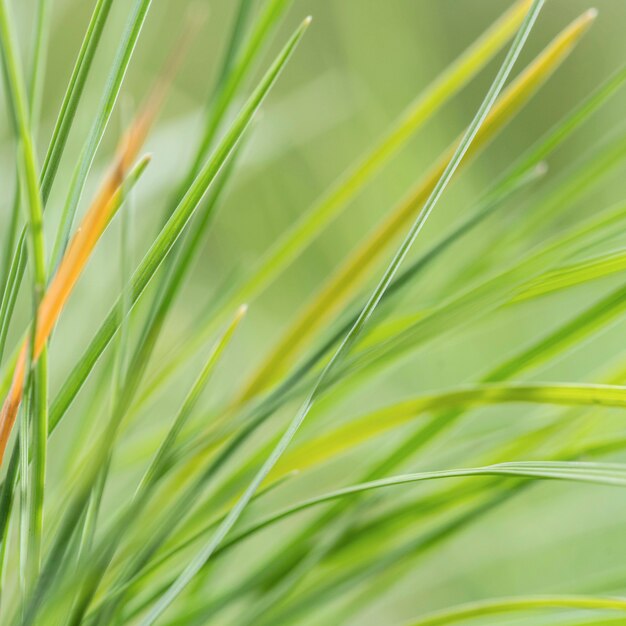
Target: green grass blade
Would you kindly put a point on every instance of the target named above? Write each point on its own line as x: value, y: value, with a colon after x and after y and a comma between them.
x: 344, y: 437
x: 15, y: 268
x: 519, y: 604
x: 531, y: 159
x: 205, y: 553
x: 160, y: 248
x: 427, y: 104
x: 352, y: 272
x: 161, y: 457
x: 450, y: 82
x: 106, y: 550
x: 574, y: 274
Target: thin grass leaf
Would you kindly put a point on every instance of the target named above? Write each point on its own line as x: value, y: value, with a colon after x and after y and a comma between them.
x: 159, y: 250
x: 353, y: 271
x: 519, y: 604
x: 575, y: 274
x: 205, y: 553
x: 530, y: 160
x: 449, y: 83
x: 104, y: 553
x: 344, y: 437
x: 595, y: 473
x: 294, y: 242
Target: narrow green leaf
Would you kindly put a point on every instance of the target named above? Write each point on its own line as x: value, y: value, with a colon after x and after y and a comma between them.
x: 206, y: 551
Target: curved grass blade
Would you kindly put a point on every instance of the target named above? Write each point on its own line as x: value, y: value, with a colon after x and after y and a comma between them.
x: 344, y: 437
x: 607, y: 474
x: 521, y: 604
x: 205, y: 553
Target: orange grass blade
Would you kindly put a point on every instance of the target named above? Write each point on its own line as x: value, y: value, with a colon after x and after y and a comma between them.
x: 90, y: 230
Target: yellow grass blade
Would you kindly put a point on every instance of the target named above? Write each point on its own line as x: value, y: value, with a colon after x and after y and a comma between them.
x: 350, y: 276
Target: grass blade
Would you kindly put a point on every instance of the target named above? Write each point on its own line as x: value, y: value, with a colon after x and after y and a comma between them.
x: 519, y: 605
x: 142, y: 276
x: 353, y: 271
x: 450, y: 82
x: 205, y: 553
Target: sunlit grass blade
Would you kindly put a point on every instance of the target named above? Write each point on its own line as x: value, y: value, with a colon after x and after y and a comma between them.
x: 529, y: 160
x: 354, y: 270
x: 15, y: 268
x: 517, y: 605
x: 222, y: 531
x: 386, y: 345
x: 575, y: 274
x: 294, y: 242
x: 490, y: 294
x: 447, y: 84
x: 565, y: 277
x: 344, y: 437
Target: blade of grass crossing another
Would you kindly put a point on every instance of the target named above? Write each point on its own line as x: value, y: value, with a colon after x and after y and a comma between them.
x: 60, y: 134
x: 97, y: 563
x: 293, y: 243
x: 353, y: 271
x: 206, y: 551
x: 151, y: 262
x: 170, y: 233
x: 355, y: 432
x: 450, y: 82
x: 531, y: 159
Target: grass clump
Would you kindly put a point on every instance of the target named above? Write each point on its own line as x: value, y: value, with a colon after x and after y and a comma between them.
x: 140, y: 486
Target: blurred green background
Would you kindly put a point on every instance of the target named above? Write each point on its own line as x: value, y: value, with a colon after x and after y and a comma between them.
x: 360, y: 65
